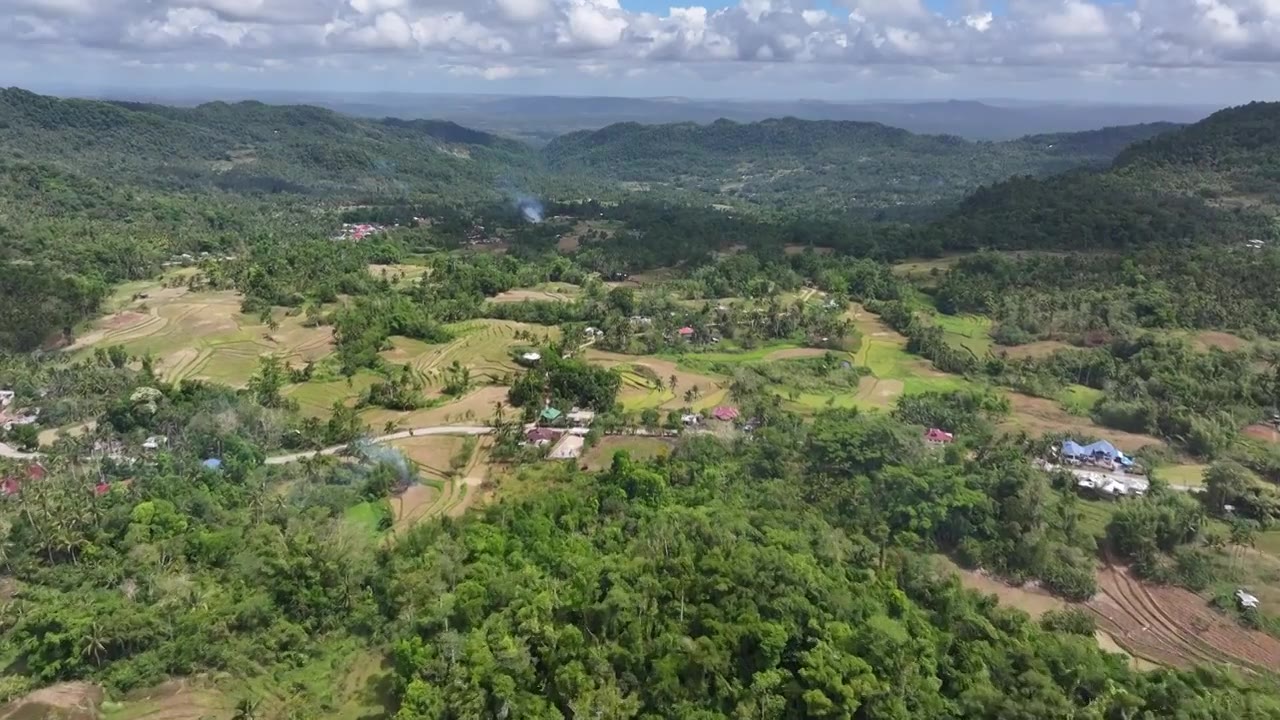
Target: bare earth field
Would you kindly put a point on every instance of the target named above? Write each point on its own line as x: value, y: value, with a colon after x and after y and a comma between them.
x: 1040, y: 349
x: 639, y: 390
x: 547, y: 292
x: 1175, y: 627
x: 1038, y: 416
x: 1265, y: 433
x: 1208, y: 339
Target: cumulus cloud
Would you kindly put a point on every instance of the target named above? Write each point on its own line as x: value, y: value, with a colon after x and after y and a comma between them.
x: 503, y: 39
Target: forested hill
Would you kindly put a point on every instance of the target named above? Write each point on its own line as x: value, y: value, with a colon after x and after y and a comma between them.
x: 1215, y: 181
x: 788, y: 162
x: 250, y: 146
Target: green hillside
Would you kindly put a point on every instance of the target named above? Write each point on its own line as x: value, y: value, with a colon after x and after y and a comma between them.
x: 250, y: 146
x: 788, y: 162
x: 1215, y: 181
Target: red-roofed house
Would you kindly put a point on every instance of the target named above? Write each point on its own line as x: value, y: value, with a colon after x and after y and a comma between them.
x: 36, y: 472
x: 725, y: 414
x: 10, y: 486
x: 541, y: 436
x: 935, y: 436
x: 102, y: 488
x: 686, y: 332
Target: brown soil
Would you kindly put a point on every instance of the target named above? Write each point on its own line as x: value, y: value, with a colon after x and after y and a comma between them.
x: 432, y: 453
x: 1208, y: 339
x: 1040, y: 349
x: 1265, y: 433
x: 799, y: 249
x: 1176, y: 627
x: 512, y: 296
x: 1039, y: 416
x: 66, y: 701
x: 413, y: 505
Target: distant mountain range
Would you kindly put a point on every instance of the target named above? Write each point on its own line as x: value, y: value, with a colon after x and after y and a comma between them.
x: 782, y: 165
x: 542, y: 118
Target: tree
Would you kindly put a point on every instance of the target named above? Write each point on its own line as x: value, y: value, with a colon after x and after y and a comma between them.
x: 265, y: 384
x: 1225, y: 482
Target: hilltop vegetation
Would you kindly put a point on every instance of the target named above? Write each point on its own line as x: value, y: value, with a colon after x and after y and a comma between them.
x: 861, y: 166
x: 1211, y: 182
x: 252, y: 147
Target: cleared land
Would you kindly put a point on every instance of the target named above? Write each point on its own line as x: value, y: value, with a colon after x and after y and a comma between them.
x: 1210, y: 339
x: 1265, y: 433
x: 1043, y: 348
x: 484, y: 346
x: 399, y: 274
x: 895, y: 372
x: 641, y: 375
x: 1034, y: 602
x: 204, y: 335
x: 544, y: 292
x: 1038, y: 416
x: 1189, y: 475
x: 641, y: 448
x: 968, y: 331
x: 1176, y: 627
x: 433, y: 454
x: 477, y: 406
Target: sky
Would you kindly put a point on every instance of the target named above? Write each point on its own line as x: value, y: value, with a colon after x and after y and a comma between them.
x: 1146, y: 51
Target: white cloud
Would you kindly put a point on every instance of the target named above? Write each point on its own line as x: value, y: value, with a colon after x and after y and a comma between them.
x: 496, y: 38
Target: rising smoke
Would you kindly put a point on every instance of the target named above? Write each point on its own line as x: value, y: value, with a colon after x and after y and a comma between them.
x: 530, y: 207
x: 375, y: 455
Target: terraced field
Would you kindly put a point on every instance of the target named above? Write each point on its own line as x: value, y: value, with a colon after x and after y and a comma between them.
x: 203, y: 335
x: 641, y: 375
x: 1176, y: 627
x: 484, y: 346
x: 546, y: 292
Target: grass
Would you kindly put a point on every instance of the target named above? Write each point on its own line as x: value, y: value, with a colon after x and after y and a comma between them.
x: 968, y: 331
x: 641, y: 448
x: 1079, y: 399
x: 316, y: 398
x: 366, y: 516
x: 1187, y: 475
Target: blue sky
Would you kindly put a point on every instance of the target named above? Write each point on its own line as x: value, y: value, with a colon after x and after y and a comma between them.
x: 1161, y: 51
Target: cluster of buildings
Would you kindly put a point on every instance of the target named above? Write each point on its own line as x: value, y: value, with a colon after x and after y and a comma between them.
x: 186, y: 259
x: 10, y: 485
x: 11, y: 417
x: 478, y: 235
x: 1101, y: 469
x: 356, y: 232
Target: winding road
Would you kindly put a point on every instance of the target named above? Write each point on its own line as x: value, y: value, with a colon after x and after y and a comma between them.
x: 8, y: 451
x: 402, y: 435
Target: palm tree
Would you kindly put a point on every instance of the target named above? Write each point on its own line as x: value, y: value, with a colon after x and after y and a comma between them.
x: 673, y: 382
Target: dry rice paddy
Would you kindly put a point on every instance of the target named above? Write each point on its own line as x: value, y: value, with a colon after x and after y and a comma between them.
x: 204, y: 335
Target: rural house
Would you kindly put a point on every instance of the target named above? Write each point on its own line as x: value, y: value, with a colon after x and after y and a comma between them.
x: 550, y: 414
x: 935, y: 436
x: 725, y: 413
x: 541, y: 436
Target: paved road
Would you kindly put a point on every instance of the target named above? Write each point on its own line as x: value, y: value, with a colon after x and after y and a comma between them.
x: 402, y: 435
x: 13, y: 453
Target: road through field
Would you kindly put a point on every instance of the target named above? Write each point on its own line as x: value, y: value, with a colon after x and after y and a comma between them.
x: 402, y: 435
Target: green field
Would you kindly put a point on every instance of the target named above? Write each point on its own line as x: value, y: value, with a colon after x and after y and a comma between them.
x: 1187, y: 475
x: 968, y: 331
x: 366, y: 516
x: 1079, y: 399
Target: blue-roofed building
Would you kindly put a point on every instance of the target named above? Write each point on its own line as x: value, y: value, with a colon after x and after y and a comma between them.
x: 212, y: 464
x: 1098, y: 451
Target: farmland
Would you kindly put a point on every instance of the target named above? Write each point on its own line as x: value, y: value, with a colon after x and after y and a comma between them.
x: 641, y: 448
x: 202, y: 334
x: 543, y: 292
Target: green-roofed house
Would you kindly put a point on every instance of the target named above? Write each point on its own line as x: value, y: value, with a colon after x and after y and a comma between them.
x: 550, y: 414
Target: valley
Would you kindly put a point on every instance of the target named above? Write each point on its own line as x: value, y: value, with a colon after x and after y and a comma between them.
x: 325, y: 416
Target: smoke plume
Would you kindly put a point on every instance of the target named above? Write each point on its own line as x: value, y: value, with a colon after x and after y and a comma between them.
x: 375, y: 455
x: 530, y: 207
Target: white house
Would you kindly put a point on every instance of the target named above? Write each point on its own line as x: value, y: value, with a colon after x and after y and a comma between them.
x: 691, y: 419
x: 155, y: 442
x: 581, y: 417
x: 531, y: 357
x: 6, y: 397
x: 1247, y: 600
